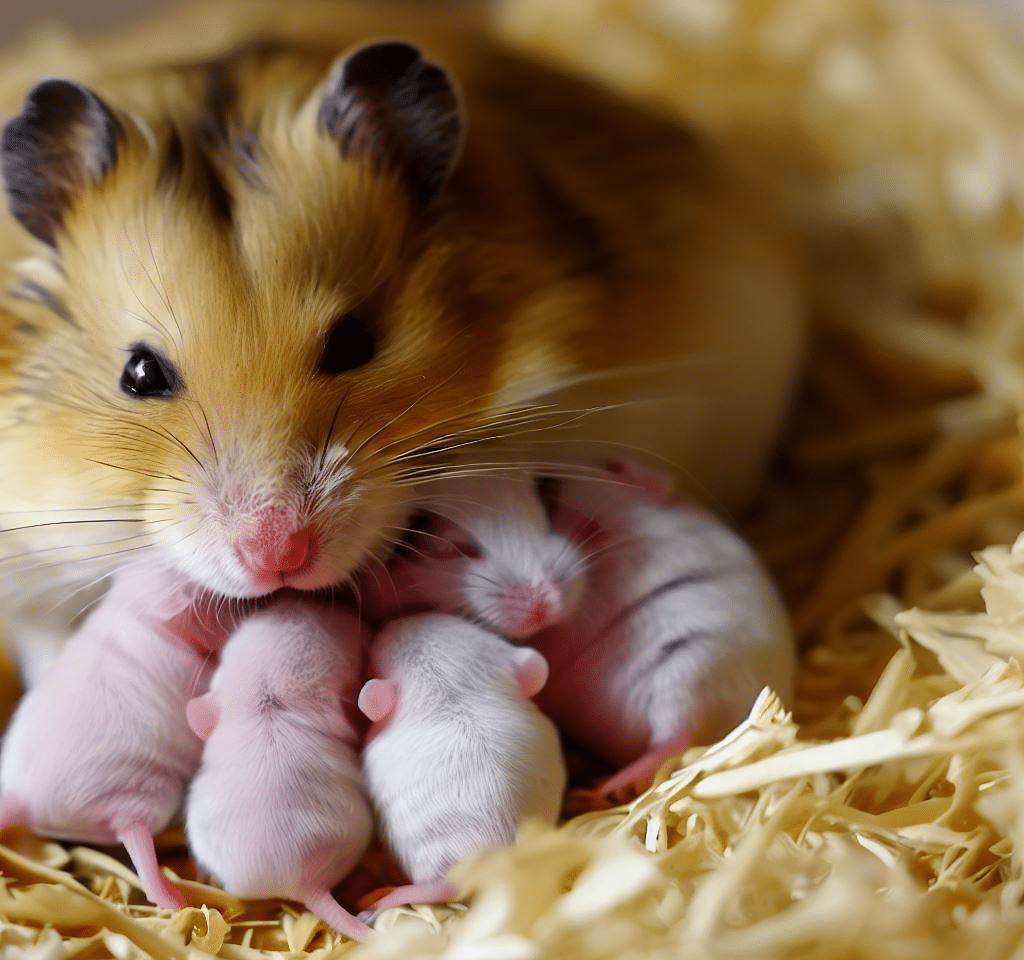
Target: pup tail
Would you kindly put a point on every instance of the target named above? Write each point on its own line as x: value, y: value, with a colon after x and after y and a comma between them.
x: 637, y: 776
x: 432, y: 891
x: 138, y: 841
x: 335, y: 915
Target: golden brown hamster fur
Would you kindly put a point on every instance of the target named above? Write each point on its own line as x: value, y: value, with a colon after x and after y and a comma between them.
x: 262, y: 295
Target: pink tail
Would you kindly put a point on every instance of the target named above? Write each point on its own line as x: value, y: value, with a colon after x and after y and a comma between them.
x: 335, y: 915
x: 13, y: 813
x: 138, y: 841
x: 637, y: 776
x: 433, y: 891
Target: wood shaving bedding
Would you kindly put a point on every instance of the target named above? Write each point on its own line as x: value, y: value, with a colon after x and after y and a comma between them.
x: 884, y: 817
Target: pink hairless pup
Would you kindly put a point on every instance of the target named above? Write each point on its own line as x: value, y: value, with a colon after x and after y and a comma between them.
x: 99, y: 750
x: 458, y: 757
x: 486, y: 550
x: 279, y: 808
x: 679, y: 628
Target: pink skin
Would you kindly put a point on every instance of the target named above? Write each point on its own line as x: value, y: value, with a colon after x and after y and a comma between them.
x: 99, y: 750
x: 457, y: 757
x: 278, y: 808
x: 277, y: 547
x: 678, y: 631
x: 487, y: 552
x: 656, y: 485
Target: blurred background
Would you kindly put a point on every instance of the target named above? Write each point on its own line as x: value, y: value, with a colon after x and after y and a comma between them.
x: 87, y: 16
x: 91, y: 16
x: 16, y: 16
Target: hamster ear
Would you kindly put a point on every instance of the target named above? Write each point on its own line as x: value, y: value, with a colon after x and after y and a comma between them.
x: 202, y: 715
x: 64, y: 139
x: 377, y: 699
x: 388, y: 104
x: 656, y: 485
x: 434, y: 537
x: 531, y: 671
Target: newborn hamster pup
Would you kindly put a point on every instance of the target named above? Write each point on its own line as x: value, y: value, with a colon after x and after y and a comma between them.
x: 486, y: 550
x: 678, y: 631
x: 99, y: 750
x: 458, y: 757
x: 278, y: 808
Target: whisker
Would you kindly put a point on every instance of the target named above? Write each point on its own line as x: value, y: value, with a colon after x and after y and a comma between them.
x: 141, y: 473
x: 423, y: 396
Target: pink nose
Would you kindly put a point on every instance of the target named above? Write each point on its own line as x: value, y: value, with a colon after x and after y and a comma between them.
x: 278, y: 545
x: 537, y: 615
x: 529, y: 609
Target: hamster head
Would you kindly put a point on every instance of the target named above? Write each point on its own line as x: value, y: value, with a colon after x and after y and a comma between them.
x: 429, y: 653
x: 515, y: 575
x: 295, y: 652
x: 241, y: 294
x: 521, y: 582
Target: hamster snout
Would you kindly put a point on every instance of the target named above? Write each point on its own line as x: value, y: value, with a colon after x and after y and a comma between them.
x: 279, y: 544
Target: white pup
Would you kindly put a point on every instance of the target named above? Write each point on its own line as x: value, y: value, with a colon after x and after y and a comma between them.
x: 278, y: 808
x: 486, y: 550
x: 458, y: 757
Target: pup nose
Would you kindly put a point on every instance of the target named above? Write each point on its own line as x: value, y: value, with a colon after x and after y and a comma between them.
x: 530, y: 608
x: 537, y: 614
x: 277, y: 545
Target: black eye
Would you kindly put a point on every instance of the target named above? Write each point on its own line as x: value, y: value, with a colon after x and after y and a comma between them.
x: 146, y: 374
x: 349, y: 345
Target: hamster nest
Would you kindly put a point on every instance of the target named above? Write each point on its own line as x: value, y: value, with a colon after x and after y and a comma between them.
x: 884, y: 817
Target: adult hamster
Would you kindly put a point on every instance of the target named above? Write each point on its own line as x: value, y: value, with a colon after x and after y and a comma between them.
x: 257, y: 296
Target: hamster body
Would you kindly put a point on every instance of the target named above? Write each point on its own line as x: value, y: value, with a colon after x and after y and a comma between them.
x: 278, y: 808
x: 256, y: 297
x: 458, y: 757
x: 99, y: 750
x: 678, y: 631
x: 486, y: 551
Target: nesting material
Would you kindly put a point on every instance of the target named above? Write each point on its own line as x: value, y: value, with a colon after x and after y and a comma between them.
x: 884, y: 817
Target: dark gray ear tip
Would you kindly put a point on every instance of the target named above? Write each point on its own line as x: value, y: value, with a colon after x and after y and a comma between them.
x: 57, y: 96
x: 379, y: 64
x: 388, y: 103
x: 64, y: 139
x: 56, y: 104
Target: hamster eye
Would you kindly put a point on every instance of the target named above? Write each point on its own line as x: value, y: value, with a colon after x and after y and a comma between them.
x: 146, y: 374
x: 349, y: 345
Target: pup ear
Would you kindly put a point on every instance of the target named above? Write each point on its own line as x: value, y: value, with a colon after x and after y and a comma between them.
x: 377, y: 699
x: 434, y: 537
x: 64, y: 139
x: 531, y: 671
x: 658, y: 486
x: 202, y: 715
x: 387, y: 103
